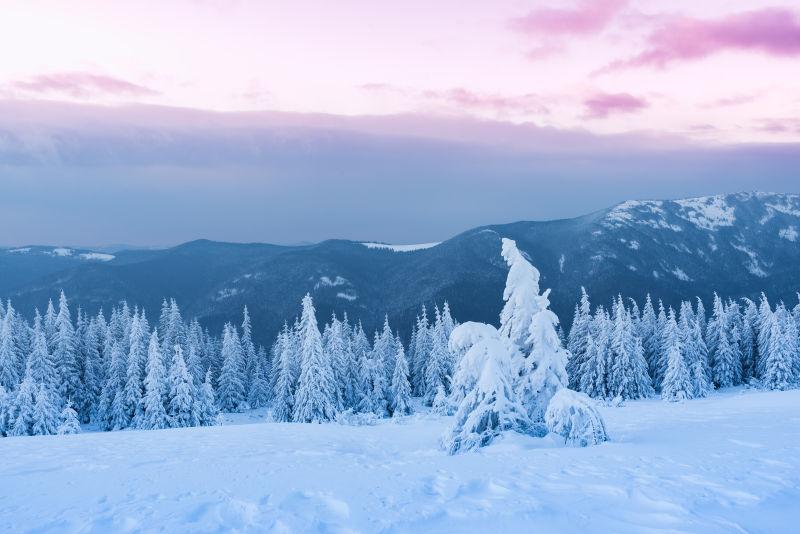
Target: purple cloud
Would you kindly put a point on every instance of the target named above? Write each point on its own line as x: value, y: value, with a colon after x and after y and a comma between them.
x: 772, y: 31
x: 80, y: 85
x: 601, y: 105
x: 589, y: 16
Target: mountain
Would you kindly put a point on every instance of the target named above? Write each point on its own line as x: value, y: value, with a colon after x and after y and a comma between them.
x: 737, y: 245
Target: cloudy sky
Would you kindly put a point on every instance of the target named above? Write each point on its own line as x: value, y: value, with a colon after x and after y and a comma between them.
x: 157, y: 122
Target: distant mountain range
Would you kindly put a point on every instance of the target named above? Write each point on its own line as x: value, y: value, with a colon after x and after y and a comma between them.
x: 737, y: 245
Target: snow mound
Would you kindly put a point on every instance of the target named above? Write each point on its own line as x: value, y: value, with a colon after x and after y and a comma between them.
x: 708, y: 213
x: 401, y: 248
x: 23, y: 250
x: 97, y: 256
x: 572, y: 416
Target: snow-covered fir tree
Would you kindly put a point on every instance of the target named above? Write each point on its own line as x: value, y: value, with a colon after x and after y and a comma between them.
x: 400, y: 388
x: 315, y: 399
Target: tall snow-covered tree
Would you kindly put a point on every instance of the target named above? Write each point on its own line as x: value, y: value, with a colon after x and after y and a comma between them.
x: 527, y: 321
x: 155, y: 415
x: 694, y: 352
x: 577, y: 339
x: 181, y: 407
x: 65, y: 352
x: 231, y: 391
x: 401, y: 388
x: 286, y: 381
x: 677, y: 384
x: 315, y: 399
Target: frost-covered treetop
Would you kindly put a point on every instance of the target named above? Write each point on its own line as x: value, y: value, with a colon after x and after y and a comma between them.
x: 521, y: 296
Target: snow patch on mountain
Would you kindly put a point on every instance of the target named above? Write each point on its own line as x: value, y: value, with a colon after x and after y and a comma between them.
x: 790, y: 234
x: 97, y: 256
x: 401, y: 248
x: 23, y: 250
x: 326, y: 281
x: 347, y: 295
x: 680, y: 274
x: 708, y: 213
x: 60, y: 251
x: 561, y: 261
x: 644, y: 212
x: 752, y: 265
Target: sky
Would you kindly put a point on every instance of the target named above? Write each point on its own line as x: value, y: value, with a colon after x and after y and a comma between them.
x: 153, y: 123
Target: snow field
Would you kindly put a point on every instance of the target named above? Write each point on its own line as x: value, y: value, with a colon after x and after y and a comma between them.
x: 727, y: 463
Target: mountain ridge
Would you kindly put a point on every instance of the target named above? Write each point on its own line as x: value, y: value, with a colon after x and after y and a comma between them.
x: 737, y: 244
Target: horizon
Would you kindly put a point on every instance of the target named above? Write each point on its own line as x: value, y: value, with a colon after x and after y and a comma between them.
x: 143, y: 246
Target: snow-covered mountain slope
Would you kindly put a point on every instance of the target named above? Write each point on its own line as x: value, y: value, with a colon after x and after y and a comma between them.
x: 737, y: 245
x: 728, y: 463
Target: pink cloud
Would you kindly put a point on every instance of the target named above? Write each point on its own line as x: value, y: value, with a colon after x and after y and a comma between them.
x: 601, y: 105
x: 467, y: 100
x: 773, y: 31
x: 80, y: 85
x: 589, y: 16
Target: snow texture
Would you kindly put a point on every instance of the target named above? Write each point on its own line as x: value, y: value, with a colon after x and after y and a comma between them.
x: 727, y: 463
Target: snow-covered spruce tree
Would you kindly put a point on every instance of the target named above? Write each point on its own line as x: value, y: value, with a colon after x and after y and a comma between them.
x: 315, y: 399
x: 529, y: 324
x: 385, y: 346
x: 595, y: 370
x: 677, y: 384
x: 776, y: 356
x: 65, y: 351
x: 422, y: 350
x: 487, y: 370
x: 286, y: 381
x: 352, y: 379
x: 40, y: 363
x: 137, y: 359
x: 155, y: 416
x: 578, y: 339
x: 69, y: 423
x: 764, y: 329
x: 231, y: 393
x: 45, y: 413
x: 9, y: 357
x: 206, y: 405
x: 373, y: 386
x: 572, y: 416
x: 716, y: 325
x: 629, y: 377
x: 660, y: 363
x: 249, y: 353
x: 22, y: 410
x: 792, y: 343
x: 441, y: 402
x: 694, y: 351
x: 195, y: 345
x: 747, y: 341
x: 258, y: 397
x: 436, y: 368
x: 5, y: 408
x: 651, y: 338
x: 401, y: 388
x: 333, y: 345
x: 181, y: 407
x: 724, y: 362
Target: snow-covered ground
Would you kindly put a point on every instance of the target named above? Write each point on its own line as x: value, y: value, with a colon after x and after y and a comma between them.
x: 729, y: 463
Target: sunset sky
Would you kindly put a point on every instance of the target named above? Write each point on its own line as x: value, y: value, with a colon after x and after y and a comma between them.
x: 610, y: 75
